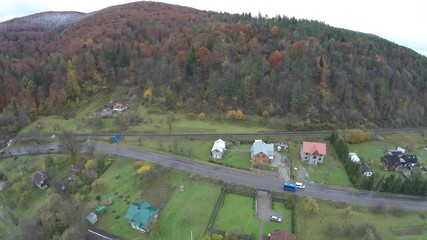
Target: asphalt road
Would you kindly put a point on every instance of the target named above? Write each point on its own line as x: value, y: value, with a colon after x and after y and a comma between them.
x: 216, y: 135
x: 231, y: 175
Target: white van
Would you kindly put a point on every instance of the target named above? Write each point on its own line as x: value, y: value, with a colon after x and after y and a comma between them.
x: 300, y: 185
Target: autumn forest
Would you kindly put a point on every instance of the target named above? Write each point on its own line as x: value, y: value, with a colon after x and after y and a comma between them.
x: 182, y: 59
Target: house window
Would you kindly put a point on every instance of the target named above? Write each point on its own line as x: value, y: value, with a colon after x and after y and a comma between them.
x: 305, y: 158
x: 306, y: 154
x: 314, y: 157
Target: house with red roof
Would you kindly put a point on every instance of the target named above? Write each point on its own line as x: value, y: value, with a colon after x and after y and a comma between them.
x: 313, y: 152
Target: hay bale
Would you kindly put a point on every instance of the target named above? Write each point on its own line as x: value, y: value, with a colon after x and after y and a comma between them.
x: 109, y: 201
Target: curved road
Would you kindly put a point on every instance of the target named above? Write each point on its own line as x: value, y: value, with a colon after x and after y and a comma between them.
x: 247, y: 178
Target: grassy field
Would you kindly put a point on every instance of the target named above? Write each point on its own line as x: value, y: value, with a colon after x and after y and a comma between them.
x: 279, y: 207
x: 152, y: 122
x: 372, y: 151
x: 410, y: 224
x: 20, y: 171
x: 330, y: 172
x: 237, y: 156
x: 237, y: 212
x: 178, y: 213
x: 187, y: 212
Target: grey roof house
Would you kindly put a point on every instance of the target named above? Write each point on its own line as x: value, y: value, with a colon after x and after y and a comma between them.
x: 40, y: 179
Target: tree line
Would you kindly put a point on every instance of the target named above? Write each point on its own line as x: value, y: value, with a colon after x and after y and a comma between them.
x: 393, y: 183
x: 196, y: 61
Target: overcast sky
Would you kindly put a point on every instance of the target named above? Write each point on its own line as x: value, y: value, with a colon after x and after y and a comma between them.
x: 402, y: 22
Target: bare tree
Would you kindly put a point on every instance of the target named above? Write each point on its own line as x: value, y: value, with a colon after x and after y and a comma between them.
x: 30, y: 229
x: 70, y: 143
x: 170, y: 119
x: 90, y: 148
x: 190, y: 151
x: 35, y: 133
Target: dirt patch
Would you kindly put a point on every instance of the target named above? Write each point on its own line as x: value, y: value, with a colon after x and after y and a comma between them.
x: 157, y: 194
x: 302, y: 174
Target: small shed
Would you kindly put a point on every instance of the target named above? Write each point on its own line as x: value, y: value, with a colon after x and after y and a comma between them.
x: 353, y: 157
x: 100, y: 210
x: 92, y: 218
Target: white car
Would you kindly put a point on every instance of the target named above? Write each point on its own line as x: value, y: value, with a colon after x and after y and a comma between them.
x: 9, y: 142
x: 300, y: 185
x: 275, y: 218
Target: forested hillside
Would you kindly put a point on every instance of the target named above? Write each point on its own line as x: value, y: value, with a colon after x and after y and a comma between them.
x: 183, y: 59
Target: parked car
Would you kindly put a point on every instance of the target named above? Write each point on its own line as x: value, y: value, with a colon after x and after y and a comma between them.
x: 275, y: 218
x: 300, y: 185
x: 9, y: 142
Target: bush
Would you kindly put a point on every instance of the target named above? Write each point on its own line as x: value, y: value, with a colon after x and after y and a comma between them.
x: 290, y: 201
x: 3, y: 176
x: 190, y: 116
x: 349, y: 229
x: 398, y: 211
x: 379, y: 209
x: 357, y: 136
x: 334, y: 229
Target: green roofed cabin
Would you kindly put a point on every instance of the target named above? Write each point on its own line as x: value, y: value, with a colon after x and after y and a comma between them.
x: 140, y: 215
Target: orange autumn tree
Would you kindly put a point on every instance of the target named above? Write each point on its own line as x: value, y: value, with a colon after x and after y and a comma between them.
x: 276, y: 60
x: 274, y: 31
x: 297, y: 49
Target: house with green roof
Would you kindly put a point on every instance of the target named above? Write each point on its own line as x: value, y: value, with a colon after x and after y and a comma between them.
x: 140, y: 215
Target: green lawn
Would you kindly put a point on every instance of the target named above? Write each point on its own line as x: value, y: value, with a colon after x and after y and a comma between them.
x: 152, y: 122
x: 237, y: 156
x: 187, y: 212
x: 334, y: 213
x: 20, y: 171
x: 237, y: 212
x: 196, y: 149
x: 372, y: 151
x: 279, y: 207
x: 180, y: 212
x: 124, y: 185
x: 330, y: 172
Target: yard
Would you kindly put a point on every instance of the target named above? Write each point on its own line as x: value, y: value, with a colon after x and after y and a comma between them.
x: 17, y: 204
x: 279, y: 207
x: 178, y: 213
x: 372, y: 151
x: 237, y: 156
x: 237, y: 212
x: 331, y: 171
x: 341, y: 221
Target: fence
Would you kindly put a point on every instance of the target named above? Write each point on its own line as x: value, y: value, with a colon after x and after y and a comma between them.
x: 215, y: 212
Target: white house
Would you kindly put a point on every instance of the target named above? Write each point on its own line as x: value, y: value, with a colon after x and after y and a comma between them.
x: 218, y: 149
x: 313, y: 152
x: 353, y: 157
